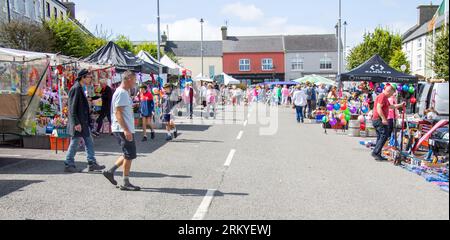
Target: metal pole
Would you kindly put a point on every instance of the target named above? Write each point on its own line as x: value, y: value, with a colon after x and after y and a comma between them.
x: 339, y: 38
x: 201, y: 22
x: 345, y: 45
x: 9, y: 11
x: 201, y: 55
x: 159, y: 36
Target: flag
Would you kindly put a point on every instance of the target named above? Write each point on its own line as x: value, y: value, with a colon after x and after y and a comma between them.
x: 443, y: 9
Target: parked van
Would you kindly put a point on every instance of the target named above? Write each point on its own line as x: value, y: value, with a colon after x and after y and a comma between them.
x: 433, y: 95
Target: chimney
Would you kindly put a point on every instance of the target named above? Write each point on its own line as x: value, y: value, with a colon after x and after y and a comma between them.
x: 426, y: 13
x: 164, y: 39
x: 70, y: 8
x: 224, y: 33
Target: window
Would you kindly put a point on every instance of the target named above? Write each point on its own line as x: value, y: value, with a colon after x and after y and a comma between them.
x: 244, y: 65
x: 326, y: 64
x: 37, y: 4
x: 55, y: 12
x: 47, y: 4
x: 61, y: 14
x: 419, y: 61
x: 297, y: 64
x: 419, y: 43
x: 14, y: 5
x: 26, y: 8
x: 267, y: 64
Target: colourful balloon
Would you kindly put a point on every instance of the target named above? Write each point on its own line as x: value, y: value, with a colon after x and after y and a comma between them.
x: 399, y: 88
x: 333, y: 122
x: 412, y: 90
x: 337, y: 106
x: 405, y: 88
x: 344, y: 107
x: 344, y: 122
x: 330, y: 107
x: 361, y: 118
x: 324, y: 119
x: 353, y: 110
x: 413, y: 100
x: 348, y: 117
x: 395, y: 86
x: 365, y: 109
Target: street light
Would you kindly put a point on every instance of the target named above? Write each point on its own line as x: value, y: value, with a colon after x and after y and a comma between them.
x: 201, y: 55
x: 201, y: 43
x: 159, y: 37
x: 339, y: 37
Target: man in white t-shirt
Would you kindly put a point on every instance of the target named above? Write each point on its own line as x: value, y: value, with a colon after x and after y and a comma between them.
x: 299, y: 99
x: 124, y: 130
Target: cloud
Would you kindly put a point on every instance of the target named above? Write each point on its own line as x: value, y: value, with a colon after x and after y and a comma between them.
x: 246, y: 12
x: 189, y: 29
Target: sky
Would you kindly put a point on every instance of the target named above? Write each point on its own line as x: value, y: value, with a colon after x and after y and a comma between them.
x: 137, y: 18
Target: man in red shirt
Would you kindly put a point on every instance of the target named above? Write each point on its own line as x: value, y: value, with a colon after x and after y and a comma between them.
x: 380, y: 121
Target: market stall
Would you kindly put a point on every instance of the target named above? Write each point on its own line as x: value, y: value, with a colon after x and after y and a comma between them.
x: 369, y: 79
x: 420, y: 144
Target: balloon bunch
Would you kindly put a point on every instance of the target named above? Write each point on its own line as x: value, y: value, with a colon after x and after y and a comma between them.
x: 339, y: 113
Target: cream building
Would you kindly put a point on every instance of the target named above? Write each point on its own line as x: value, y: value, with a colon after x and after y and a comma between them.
x: 189, y: 56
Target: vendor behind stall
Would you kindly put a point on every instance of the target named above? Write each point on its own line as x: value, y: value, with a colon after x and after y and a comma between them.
x: 106, y: 96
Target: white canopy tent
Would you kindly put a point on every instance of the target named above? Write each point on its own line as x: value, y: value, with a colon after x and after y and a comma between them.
x: 171, y: 64
x: 145, y: 56
x: 200, y: 78
x: 228, y: 80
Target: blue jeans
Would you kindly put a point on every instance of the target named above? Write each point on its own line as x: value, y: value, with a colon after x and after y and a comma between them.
x: 382, y: 136
x: 74, y: 143
x: 299, y: 110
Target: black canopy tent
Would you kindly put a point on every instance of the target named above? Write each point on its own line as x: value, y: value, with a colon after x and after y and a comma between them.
x: 121, y: 59
x: 376, y: 70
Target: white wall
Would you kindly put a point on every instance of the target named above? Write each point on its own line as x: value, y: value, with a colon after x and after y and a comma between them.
x: 195, y: 64
x: 418, y: 52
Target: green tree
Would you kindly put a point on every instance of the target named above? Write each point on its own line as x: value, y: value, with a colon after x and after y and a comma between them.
x: 173, y: 57
x: 398, y: 59
x: 440, y: 58
x: 148, y: 47
x: 26, y: 36
x: 69, y: 39
x: 124, y: 42
x: 94, y: 43
x: 381, y: 42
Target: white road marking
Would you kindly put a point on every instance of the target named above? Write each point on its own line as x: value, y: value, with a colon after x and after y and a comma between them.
x: 230, y: 158
x: 240, y: 135
x: 245, y: 123
x: 204, y: 206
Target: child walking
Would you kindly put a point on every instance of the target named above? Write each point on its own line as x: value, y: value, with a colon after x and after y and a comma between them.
x: 167, y: 106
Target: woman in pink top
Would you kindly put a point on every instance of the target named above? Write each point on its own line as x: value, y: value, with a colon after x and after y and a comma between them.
x: 211, y: 95
x: 285, y: 95
x: 393, y: 114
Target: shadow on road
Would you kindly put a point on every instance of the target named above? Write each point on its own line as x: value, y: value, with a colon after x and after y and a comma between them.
x: 151, y: 175
x: 10, y: 186
x: 108, y: 144
x: 195, y: 141
x: 189, y: 192
x: 193, y: 128
x: 36, y: 166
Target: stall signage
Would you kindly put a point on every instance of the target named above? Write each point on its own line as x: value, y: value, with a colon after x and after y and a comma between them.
x: 378, y: 69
